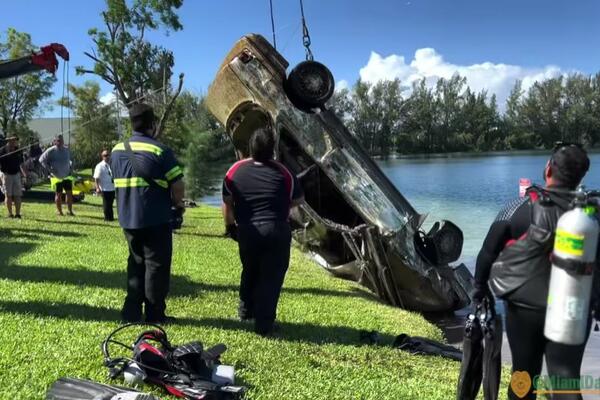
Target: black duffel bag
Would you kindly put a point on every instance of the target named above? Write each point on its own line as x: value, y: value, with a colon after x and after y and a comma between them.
x: 521, y: 272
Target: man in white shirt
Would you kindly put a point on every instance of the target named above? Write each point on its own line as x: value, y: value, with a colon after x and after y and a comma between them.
x: 104, y: 185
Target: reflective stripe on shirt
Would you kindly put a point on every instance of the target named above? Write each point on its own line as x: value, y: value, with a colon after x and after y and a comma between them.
x: 173, y: 173
x: 138, y: 182
x: 139, y: 146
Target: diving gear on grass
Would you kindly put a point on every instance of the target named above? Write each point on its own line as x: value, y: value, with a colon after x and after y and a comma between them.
x: 184, y: 371
x: 80, y: 389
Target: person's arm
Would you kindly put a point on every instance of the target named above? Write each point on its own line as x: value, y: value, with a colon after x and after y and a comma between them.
x: 227, y: 208
x: 45, y: 158
x: 177, y: 193
x: 510, y: 223
x: 173, y: 174
x: 97, y: 178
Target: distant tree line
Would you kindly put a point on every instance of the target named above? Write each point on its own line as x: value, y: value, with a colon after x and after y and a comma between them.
x: 450, y: 117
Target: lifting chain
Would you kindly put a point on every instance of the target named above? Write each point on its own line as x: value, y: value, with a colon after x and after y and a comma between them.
x: 305, y: 35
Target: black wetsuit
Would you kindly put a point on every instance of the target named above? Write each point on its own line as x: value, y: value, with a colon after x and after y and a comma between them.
x: 525, y: 325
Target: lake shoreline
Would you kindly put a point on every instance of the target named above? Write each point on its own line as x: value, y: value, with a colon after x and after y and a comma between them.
x: 472, y: 154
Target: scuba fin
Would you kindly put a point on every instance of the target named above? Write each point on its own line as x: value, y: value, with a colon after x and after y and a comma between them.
x: 80, y: 389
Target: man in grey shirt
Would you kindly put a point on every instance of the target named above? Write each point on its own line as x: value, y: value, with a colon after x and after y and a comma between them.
x: 57, y: 160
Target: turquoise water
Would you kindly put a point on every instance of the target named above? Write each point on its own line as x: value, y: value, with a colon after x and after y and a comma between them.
x: 468, y: 191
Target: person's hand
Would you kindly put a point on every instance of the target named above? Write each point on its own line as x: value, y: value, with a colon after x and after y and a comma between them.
x: 481, y: 291
x: 98, y: 190
x: 231, y: 231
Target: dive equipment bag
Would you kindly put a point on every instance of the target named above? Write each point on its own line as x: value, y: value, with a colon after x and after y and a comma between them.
x: 187, y: 371
x: 521, y: 272
x: 573, y: 263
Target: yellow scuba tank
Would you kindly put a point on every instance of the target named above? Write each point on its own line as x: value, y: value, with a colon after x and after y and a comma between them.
x: 573, y: 260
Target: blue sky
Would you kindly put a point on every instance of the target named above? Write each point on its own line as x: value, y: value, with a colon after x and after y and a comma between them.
x: 491, y: 42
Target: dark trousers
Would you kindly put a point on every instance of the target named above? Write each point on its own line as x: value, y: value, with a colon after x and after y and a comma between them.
x: 108, y: 198
x: 528, y: 346
x: 265, y: 255
x: 148, y: 272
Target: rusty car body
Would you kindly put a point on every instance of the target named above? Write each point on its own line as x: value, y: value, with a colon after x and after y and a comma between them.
x: 354, y: 222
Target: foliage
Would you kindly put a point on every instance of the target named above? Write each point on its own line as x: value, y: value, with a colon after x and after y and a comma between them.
x: 123, y: 57
x: 62, y: 288
x: 208, y: 150
x: 95, y: 124
x: 22, y: 96
x: 448, y: 116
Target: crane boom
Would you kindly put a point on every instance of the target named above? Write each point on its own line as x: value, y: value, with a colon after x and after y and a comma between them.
x: 44, y: 59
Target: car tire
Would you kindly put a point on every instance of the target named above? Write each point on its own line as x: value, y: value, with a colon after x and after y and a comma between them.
x: 309, y: 85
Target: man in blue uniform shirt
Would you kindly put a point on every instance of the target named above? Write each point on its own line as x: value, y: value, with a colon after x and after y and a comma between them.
x: 148, y: 183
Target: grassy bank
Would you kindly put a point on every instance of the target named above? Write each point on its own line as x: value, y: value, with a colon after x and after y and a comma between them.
x: 62, y: 284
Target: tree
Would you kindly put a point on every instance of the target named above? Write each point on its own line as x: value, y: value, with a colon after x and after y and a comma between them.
x: 375, y: 114
x: 21, y: 96
x: 209, y: 150
x: 96, y: 125
x: 341, y: 104
x: 123, y: 57
x: 420, y: 123
x: 449, y: 102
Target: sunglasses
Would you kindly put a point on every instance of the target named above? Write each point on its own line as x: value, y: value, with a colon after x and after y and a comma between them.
x: 105, y: 155
x: 559, y: 145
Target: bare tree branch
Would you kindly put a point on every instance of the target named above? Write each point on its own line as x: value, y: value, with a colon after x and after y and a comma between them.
x: 168, y: 108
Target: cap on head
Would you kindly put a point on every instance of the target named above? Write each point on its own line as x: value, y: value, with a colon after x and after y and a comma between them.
x: 569, y: 164
x: 142, y: 117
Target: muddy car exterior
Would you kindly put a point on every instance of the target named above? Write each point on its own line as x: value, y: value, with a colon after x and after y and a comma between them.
x: 354, y: 223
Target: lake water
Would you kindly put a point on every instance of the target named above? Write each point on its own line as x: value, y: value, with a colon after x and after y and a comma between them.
x: 468, y: 191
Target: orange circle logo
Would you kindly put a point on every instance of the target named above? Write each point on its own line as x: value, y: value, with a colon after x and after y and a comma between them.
x: 520, y: 383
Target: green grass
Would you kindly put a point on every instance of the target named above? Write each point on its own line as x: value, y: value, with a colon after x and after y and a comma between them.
x: 62, y: 283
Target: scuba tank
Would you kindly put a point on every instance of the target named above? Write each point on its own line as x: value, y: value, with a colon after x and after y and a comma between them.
x: 571, y: 277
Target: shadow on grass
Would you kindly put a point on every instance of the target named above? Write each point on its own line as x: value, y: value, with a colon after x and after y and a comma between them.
x: 12, y: 250
x: 180, y: 285
x: 70, y: 311
x: 298, y: 332
x: 204, y: 235
x: 293, y: 332
x: 67, y: 220
x: 38, y: 233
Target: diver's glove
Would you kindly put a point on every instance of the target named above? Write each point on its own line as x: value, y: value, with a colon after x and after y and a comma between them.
x: 481, y: 291
x: 231, y: 231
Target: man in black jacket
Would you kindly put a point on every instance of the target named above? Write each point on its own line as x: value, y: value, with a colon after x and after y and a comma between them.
x: 525, y: 319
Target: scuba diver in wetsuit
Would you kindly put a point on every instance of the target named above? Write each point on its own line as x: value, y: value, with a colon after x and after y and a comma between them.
x: 526, y: 306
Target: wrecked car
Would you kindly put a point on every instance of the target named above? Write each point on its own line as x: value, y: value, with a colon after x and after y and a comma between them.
x: 354, y: 223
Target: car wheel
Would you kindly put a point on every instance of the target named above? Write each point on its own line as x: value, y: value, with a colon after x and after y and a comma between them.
x: 309, y: 85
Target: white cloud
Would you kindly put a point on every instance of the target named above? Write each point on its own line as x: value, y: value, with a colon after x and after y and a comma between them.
x: 341, y: 85
x: 108, y: 98
x: 429, y: 64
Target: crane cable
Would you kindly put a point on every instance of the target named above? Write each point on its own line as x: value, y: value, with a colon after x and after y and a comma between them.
x: 273, y: 24
x: 305, y: 35
x: 65, y: 101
